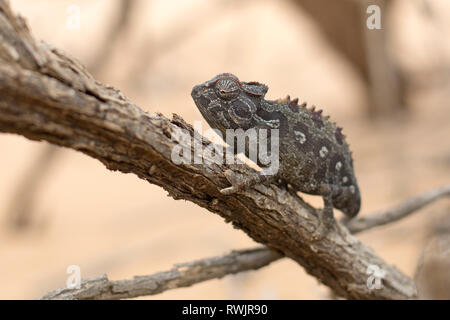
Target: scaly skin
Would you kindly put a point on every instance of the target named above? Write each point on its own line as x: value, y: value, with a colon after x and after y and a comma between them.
x: 314, y: 157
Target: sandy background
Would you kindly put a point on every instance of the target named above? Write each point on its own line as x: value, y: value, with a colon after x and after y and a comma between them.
x: 113, y: 223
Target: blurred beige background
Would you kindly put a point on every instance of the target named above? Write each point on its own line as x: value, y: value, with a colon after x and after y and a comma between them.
x: 113, y: 223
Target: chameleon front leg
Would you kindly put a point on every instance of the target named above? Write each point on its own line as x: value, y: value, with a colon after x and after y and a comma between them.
x: 247, y: 182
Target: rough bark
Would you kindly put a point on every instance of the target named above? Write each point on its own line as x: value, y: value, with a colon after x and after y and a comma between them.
x: 46, y: 95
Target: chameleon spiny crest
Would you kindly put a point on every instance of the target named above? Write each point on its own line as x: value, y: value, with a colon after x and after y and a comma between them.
x: 314, y: 157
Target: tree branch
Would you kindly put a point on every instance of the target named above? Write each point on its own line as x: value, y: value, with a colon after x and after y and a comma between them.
x: 46, y: 95
x: 182, y: 275
x: 237, y: 261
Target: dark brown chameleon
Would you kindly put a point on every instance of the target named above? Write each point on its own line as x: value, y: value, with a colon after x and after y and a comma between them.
x: 314, y: 157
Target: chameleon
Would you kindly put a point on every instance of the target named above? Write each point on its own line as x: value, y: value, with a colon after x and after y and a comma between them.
x: 314, y: 157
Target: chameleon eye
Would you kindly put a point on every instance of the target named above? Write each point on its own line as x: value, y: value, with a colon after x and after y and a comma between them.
x: 227, y: 89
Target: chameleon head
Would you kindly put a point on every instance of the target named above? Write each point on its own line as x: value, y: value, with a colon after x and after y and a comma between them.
x: 227, y: 103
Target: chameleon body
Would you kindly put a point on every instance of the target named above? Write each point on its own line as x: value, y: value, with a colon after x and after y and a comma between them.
x: 314, y: 157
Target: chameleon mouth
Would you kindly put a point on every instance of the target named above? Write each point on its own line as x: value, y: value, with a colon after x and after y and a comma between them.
x: 196, y: 92
x: 201, y: 101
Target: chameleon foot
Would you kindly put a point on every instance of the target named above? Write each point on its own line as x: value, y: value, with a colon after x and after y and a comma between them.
x: 246, y: 183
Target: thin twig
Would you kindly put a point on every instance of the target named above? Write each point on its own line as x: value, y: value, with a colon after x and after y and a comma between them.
x: 406, y: 208
x: 182, y: 275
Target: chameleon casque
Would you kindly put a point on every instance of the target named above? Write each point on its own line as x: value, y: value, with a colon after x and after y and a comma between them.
x: 314, y: 157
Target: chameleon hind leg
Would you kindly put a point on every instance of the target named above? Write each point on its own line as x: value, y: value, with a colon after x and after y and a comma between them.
x: 327, y: 191
x: 327, y: 211
x: 247, y: 182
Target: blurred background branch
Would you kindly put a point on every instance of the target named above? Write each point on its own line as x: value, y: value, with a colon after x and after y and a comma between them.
x: 182, y: 275
x: 432, y: 273
x: 22, y: 204
x: 343, y: 24
x: 401, y: 211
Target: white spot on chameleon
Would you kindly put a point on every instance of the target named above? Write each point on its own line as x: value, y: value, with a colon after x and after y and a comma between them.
x: 214, y: 104
x: 338, y: 165
x: 352, y: 189
x: 345, y: 179
x: 300, y: 136
x: 323, y: 152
